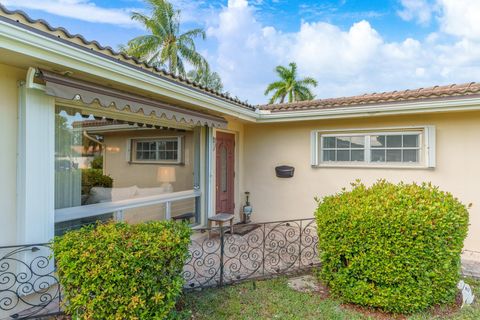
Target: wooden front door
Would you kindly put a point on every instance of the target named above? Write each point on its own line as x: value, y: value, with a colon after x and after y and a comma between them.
x: 225, y: 172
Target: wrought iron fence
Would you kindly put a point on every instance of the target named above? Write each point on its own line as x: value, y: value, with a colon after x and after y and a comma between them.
x: 28, y: 284
x: 253, y: 251
x: 29, y: 287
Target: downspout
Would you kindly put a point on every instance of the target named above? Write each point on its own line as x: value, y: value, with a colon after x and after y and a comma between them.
x: 89, y: 137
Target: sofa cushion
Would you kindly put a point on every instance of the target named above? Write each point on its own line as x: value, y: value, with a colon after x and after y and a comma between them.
x: 100, y: 194
x: 147, y: 192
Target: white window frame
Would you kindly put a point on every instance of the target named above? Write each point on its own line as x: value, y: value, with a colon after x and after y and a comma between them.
x: 426, y: 147
x: 132, y: 150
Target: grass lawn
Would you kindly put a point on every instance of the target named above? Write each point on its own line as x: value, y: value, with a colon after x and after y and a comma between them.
x: 273, y: 299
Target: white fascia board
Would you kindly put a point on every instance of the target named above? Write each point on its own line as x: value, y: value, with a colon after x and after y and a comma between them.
x: 21, y: 40
x: 450, y: 105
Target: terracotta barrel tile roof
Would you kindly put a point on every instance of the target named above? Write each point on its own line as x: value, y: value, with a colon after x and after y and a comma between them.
x: 453, y: 90
x: 21, y: 18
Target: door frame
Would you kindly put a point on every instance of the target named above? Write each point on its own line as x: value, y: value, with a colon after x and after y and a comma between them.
x: 236, y: 184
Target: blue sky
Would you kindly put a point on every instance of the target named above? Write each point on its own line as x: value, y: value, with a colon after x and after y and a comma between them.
x: 350, y: 46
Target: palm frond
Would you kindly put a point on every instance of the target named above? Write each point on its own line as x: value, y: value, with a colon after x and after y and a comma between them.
x: 293, y: 69
x: 180, y: 67
x: 283, y: 72
x: 142, y: 47
x: 194, y: 33
x: 192, y: 56
x: 308, y: 81
x: 274, y: 86
x: 278, y: 95
x: 303, y: 94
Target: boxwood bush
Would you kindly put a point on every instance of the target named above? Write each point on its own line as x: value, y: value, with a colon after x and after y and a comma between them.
x: 392, y: 246
x: 121, y: 271
x: 94, y: 178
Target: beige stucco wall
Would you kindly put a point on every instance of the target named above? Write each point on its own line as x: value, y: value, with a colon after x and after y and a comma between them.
x: 8, y: 146
x: 127, y: 174
x: 269, y: 145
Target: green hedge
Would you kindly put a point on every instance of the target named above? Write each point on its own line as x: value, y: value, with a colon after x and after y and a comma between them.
x: 94, y: 178
x: 393, y: 247
x: 97, y: 162
x: 120, y: 271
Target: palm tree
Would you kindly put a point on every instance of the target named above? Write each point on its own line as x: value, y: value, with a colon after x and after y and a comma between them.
x: 165, y: 46
x: 296, y: 90
x: 205, y: 77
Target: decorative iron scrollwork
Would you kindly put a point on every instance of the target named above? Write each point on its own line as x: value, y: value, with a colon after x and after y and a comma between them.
x: 28, y: 284
x: 270, y: 249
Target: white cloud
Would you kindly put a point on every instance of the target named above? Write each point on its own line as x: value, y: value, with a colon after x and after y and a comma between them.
x: 418, y: 10
x: 456, y: 17
x: 460, y: 18
x: 345, y: 62
x: 84, y: 10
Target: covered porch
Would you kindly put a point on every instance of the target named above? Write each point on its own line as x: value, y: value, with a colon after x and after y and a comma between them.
x: 89, y: 152
x: 99, y: 153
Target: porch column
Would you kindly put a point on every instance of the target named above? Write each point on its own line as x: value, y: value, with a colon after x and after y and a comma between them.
x: 36, y: 168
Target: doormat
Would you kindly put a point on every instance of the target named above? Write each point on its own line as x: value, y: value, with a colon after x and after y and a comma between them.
x: 242, y: 229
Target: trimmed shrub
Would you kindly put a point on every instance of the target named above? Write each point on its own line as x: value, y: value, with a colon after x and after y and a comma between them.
x: 121, y: 271
x: 393, y: 247
x: 97, y: 163
x: 94, y: 178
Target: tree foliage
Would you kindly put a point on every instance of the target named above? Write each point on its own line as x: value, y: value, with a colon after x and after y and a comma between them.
x: 207, y: 78
x: 166, y: 46
x: 289, y: 87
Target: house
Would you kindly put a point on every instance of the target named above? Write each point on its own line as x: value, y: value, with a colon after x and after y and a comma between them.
x: 171, y: 147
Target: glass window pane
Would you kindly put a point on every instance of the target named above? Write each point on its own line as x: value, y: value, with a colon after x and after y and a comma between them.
x: 329, y: 142
x: 394, y: 155
x: 343, y: 142
x: 343, y: 155
x: 394, y: 141
x: 358, y: 142
x: 88, y: 173
x: 410, y: 155
x: 358, y: 155
x: 162, y: 145
x: 329, y: 155
x: 377, y: 141
x: 378, y: 155
x: 410, y: 141
x: 223, y: 169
